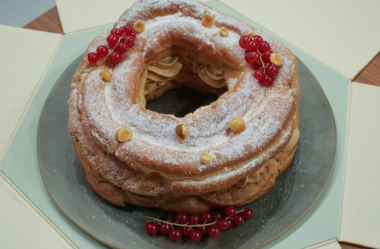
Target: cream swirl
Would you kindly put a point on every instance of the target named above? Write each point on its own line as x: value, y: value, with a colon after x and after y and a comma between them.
x: 159, y: 75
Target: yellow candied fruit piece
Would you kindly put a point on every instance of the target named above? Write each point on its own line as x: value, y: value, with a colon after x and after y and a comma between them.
x: 237, y: 125
x: 208, y: 20
x: 106, y: 75
x: 139, y: 26
x: 206, y: 158
x: 250, y: 32
x: 182, y: 132
x: 223, y: 32
x: 124, y: 134
x: 275, y: 59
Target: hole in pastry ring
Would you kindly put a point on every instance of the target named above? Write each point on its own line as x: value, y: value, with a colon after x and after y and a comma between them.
x: 267, y: 111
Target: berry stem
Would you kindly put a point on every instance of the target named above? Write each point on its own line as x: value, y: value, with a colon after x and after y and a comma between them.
x: 180, y: 225
x: 262, y: 63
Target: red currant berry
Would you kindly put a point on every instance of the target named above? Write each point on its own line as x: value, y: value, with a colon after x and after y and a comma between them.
x: 181, y: 217
x: 132, y: 34
x: 214, y: 231
x: 195, y: 235
x: 252, y: 57
x: 164, y: 228
x: 129, y: 41
x: 193, y: 219
x: 185, y: 231
x: 267, y: 80
x: 122, y: 31
x: 92, y: 58
x: 151, y: 228
x: 229, y: 211
x: 230, y: 224
x: 102, y: 51
x: 266, y: 56
x: 128, y: 29
x: 175, y: 234
x: 119, y: 32
x: 216, y: 215
x: 271, y: 70
x: 206, y: 217
x: 122, y: 48
x: 251, y: 46
x: 256, y: 65
x: 258, y: 74
x: 258, y: 39
x: 113, y: 31
x: 247, y: 213
x: 223, y: 224
x: 238, y: 220
x: 203, y: 230
x: 170, y: 217
x: 116, y: 57
x: 112, y: 40
x: 244, y: 40
x: 264, y: 46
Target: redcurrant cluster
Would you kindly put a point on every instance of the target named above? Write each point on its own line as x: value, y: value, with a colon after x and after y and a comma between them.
x: 194, y: 226
x: 257, y: 54
x: 119, y: 40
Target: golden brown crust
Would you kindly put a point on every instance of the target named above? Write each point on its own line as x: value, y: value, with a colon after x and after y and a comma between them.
x: 193, y: 204
x: 189, y: 203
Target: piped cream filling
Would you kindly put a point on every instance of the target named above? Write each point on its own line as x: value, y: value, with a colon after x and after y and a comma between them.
x: 293, y: 141
x: 160, y: 74
x: 255, y: 177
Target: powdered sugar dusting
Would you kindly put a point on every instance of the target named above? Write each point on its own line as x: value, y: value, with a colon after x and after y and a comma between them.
x: 226, y: 174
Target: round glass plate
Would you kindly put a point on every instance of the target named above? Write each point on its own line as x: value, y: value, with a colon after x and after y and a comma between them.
x: 295, y: 192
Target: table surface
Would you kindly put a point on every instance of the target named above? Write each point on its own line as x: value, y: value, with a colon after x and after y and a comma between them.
x: 50, y: 22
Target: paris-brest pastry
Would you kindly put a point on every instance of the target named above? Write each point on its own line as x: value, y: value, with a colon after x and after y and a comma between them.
x: 226, y: 153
